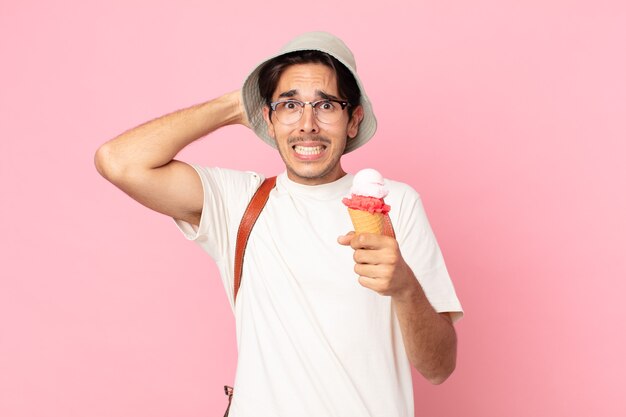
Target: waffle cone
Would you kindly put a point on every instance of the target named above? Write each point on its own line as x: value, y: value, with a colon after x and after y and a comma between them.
x: 366, y: 222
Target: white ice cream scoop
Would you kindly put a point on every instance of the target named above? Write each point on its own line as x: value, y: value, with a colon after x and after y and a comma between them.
x: 369, y: 182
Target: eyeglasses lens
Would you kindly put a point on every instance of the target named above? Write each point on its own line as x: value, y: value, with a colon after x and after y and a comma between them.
x: 289, y: 112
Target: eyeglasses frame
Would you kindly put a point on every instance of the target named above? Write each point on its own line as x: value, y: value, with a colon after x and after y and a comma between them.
x: 342, y: 103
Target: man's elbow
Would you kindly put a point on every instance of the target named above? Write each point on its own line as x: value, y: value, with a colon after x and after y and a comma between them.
x: 439, y: 368
x: 102, y: 160
x: 108, y: 163
x: 441, y: 375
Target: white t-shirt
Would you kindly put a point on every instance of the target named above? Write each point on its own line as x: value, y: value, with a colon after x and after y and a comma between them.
x: 311, y: 340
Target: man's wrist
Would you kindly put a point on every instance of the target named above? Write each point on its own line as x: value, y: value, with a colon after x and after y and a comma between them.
x: 412, y: 292
x: 234, y: 112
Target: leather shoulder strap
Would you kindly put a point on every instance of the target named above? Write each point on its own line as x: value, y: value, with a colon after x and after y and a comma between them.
x: 247, y: 222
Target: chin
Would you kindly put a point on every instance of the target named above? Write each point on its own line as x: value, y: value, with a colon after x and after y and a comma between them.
x: 314, y: 176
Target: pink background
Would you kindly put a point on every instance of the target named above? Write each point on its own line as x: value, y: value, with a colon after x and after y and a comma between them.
x: 509, y: 119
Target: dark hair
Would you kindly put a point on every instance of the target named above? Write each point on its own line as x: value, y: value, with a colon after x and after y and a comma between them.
x: 270, y: 73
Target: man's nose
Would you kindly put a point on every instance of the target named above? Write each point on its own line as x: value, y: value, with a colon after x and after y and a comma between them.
x: 308, y: 121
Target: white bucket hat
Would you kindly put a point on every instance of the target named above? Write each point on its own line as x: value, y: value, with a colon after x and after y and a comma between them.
x: 311, y: 41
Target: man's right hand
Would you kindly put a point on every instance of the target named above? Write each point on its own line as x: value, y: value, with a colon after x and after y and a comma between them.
x: 141, y: 161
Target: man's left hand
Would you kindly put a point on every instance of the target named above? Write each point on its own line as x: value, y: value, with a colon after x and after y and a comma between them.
x: 380, y: 265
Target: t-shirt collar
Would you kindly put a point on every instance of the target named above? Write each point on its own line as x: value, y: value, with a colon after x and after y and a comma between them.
x: 336, y: 189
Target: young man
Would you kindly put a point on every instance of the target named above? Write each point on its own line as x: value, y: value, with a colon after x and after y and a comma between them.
x: 314, y: 338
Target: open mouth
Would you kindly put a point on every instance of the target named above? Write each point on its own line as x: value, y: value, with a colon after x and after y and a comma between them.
x: 309, y: 150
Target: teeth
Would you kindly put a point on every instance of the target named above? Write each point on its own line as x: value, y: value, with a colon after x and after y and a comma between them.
x: 308, y: 150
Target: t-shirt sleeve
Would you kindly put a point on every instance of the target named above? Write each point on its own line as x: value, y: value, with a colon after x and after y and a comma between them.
x: 422, y: 253
x: 226, y: 196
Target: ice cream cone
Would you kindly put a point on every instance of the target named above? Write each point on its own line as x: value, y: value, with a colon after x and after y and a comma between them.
x: 366, y: 222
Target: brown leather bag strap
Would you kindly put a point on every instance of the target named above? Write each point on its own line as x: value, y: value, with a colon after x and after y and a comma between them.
x: 247, y: 222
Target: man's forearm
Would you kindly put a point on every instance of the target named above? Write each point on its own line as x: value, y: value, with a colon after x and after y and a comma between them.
x: 429, y: 337
x: 155, y: 143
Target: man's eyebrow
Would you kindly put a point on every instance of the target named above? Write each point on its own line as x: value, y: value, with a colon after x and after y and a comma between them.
x: 326, y: 96
x: 289, y: 93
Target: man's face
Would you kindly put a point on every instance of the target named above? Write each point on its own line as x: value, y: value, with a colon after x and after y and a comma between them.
x: 311, y: 149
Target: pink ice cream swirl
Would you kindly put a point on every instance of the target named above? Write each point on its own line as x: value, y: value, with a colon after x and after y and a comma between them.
x: 365, y: 203
x: 368, y: 192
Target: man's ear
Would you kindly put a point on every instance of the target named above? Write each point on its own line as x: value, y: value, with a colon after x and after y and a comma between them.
x: 355, y: 121
x: 268, y: 122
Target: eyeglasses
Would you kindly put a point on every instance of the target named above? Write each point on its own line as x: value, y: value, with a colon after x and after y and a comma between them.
x: 326, y: 110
